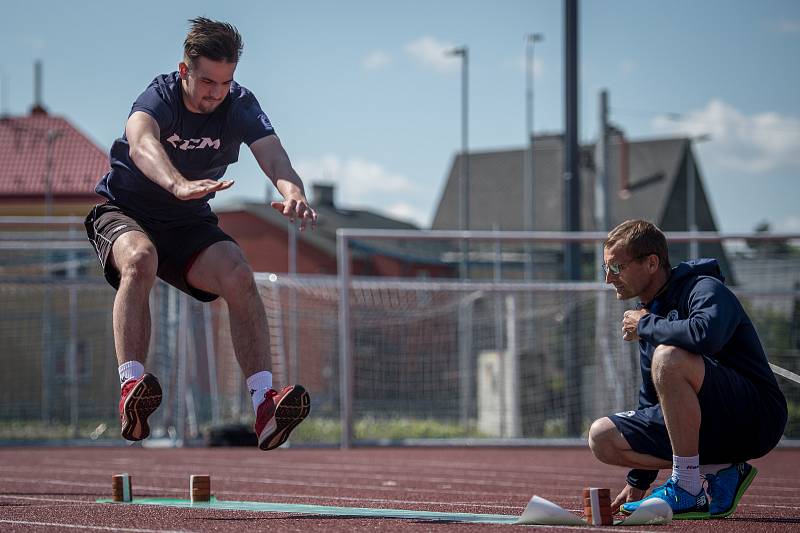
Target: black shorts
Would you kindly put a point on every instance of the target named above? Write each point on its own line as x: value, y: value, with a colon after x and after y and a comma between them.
x: 738, y: 421
x: 177, y: 247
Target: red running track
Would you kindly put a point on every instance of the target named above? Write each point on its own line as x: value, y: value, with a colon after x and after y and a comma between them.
x: 54, y: 489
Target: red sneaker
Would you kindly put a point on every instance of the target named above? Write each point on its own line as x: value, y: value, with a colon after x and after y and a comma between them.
x: 279, y: 414
x: 139, y: 398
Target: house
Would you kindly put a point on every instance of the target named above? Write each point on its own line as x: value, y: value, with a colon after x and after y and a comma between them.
x: 647, y: 179
x: 263, y: 234
x: 47, y: 166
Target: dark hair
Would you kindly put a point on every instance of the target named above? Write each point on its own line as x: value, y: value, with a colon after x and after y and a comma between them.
x: 640, y: 238
x: 217, y: 41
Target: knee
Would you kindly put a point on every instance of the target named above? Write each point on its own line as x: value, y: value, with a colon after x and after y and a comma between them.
x: 669, y: 362
x: 602, y: 433
x: 238, y: 281
x: 139, y: 265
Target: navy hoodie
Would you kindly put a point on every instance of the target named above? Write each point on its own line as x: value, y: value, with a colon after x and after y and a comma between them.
x: 698, y: 313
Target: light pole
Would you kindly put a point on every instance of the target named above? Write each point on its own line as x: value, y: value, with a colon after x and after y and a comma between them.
x: 52, y: 137
x: 47, y: 319
x: 691, y: 196
x: 527, y: 189
x: 463, y: 178
x: 465, y: 308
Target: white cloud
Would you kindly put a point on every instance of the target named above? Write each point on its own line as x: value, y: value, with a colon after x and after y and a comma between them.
x: 356, y: 179
x: 407, y: 211
x: 431, y: 53
x: 788, y: 26
x: 628, y: 66
x: 789, y: 224
x: 754, y: 144
x: 364, y: 184
x: 376, y: 59
x: 519, y: 64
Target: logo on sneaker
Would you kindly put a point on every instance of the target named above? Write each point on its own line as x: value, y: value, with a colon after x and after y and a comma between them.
x: 702, y: 501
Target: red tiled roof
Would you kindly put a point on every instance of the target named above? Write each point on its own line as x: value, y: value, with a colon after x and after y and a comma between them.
x: 77, y: 166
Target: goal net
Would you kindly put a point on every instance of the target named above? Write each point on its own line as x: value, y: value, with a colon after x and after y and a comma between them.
x: 398, y: 348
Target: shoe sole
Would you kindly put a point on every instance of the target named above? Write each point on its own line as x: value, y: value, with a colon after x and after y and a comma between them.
x: 292, y: 409
x: 692, y: 515
x: 739, y: 493
x: 143, y: 399
x: 682, y: 516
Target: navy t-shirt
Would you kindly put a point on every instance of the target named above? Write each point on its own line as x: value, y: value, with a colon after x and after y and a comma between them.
x: 200, y: 146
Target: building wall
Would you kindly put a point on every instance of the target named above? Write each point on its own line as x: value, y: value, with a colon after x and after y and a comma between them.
x: 15, y: 207
x: 266, y: 246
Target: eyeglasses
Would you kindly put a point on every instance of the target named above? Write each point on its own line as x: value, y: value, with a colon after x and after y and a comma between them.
x: 615, y: 268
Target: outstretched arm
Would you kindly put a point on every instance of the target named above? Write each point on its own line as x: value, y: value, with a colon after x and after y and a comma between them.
x: 274, y: 161
x: 146, y: 151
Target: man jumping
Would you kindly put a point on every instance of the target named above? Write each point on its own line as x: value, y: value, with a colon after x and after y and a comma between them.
x: 181, y: 134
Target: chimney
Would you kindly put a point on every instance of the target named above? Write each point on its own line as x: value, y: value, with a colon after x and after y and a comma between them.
x: 38, y: 107
x: 323, y: 194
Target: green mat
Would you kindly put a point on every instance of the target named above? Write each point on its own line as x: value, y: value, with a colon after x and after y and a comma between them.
x: 323, y: 510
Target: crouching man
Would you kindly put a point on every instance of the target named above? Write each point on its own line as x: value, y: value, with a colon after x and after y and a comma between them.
x: 709, y: 401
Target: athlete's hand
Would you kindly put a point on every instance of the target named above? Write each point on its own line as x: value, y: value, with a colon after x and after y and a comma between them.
x: 298, y: 207
x: 630, y: 324
x: 193, y: 189
x: 628, y: 494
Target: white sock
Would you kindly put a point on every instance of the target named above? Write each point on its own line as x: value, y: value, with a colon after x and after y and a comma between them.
x: 686, y: 472
x: 713, y: 469
x: 258, y: 384
x: 130, y: 370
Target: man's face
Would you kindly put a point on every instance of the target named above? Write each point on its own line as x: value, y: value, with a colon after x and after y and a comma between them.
x: 634, y: 275
x: 205, y: 84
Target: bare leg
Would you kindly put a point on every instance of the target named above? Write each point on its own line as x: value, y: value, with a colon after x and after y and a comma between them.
x: 678, y: 376
x: 610, y: 447
x: 221, y: 269
x: 134, y: 256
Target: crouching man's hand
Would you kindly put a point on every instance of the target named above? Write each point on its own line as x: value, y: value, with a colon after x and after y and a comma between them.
x: 628, y: 494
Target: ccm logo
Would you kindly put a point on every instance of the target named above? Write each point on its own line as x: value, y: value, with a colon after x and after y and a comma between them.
x: 193, y: 144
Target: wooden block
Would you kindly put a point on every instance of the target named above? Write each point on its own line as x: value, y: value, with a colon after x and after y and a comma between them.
x: 601, y: 493
x: 121, y: 488
x: 200, y: 488
x: 597, y: 506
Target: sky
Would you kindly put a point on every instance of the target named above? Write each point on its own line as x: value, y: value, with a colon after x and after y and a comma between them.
x: 363, y: 95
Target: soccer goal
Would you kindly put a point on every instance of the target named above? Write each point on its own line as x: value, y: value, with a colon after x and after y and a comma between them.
x: 512, y: 353
x: 422, y: 337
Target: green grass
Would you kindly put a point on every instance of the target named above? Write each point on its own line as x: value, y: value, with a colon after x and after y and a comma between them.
x: 26, y: 430
x: 327, y: 430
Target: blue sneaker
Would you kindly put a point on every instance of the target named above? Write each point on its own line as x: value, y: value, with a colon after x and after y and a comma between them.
x: 726, y: 488
x: 685, y: 506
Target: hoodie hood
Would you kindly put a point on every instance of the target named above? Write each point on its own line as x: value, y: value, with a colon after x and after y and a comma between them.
x: 681, y: 278
x: 695, y: 268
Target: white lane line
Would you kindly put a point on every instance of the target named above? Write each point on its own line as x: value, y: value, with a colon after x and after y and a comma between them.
x: 317, y: 471
x: 349, y: 486
x: 240, y: 494
x: 770, y: 506
x: 78, y: 526
x: 351, y: 465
